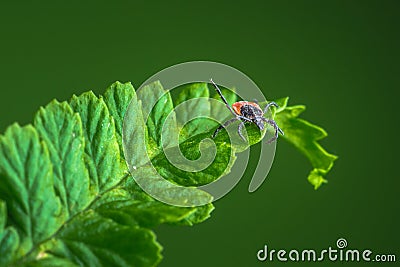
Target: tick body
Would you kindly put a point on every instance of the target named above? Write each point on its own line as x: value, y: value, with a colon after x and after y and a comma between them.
x: 246, y: 111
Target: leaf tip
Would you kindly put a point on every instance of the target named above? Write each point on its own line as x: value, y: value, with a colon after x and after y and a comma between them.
x: 316, y: 178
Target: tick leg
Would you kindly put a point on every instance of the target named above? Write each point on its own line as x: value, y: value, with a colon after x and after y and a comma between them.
x: 223, y: 126
x: 240, y: 128
x: 222, y: 97
x: 244, y: 118
x: 277, y: 129
x: 269, y: 105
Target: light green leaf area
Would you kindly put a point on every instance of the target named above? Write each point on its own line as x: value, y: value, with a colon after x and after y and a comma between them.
x: 93, y: 240
x: 46, y: 260
x: 193, y: 97
x: 67, y: 197
x: 9, y: 239
x: 102, y: 152
x: 61, y: 131
x: 27, y: 187
x: 156, y: 107
x: 305, y: 136
x: 147, y: 214
x: 117, y: 98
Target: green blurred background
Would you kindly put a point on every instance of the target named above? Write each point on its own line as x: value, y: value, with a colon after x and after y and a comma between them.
x: 340, y: 58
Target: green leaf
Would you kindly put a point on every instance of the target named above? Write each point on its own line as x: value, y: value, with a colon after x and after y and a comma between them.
x: 200, y: 214
x: 152, y: 213
x: 195, y: 137
x: 117, y: 98
x: 48, y: 260
x: 151, y: 181
x: 135, y: 135
x: 66, y: 187
x: 191, y: 150
x: 146, y: 214
x: 9, y: 239
x: 282, y: 104
x: 157, y: 106
x: 27, y: 187
x: 67, y: 198
x: 194, y: 97
x: 93, y: 240
x: 102, y: 155
x: 61, y: 130
x: 305, y: 136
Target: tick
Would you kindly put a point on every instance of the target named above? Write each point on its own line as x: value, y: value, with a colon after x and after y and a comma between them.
x: 245, y: 111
